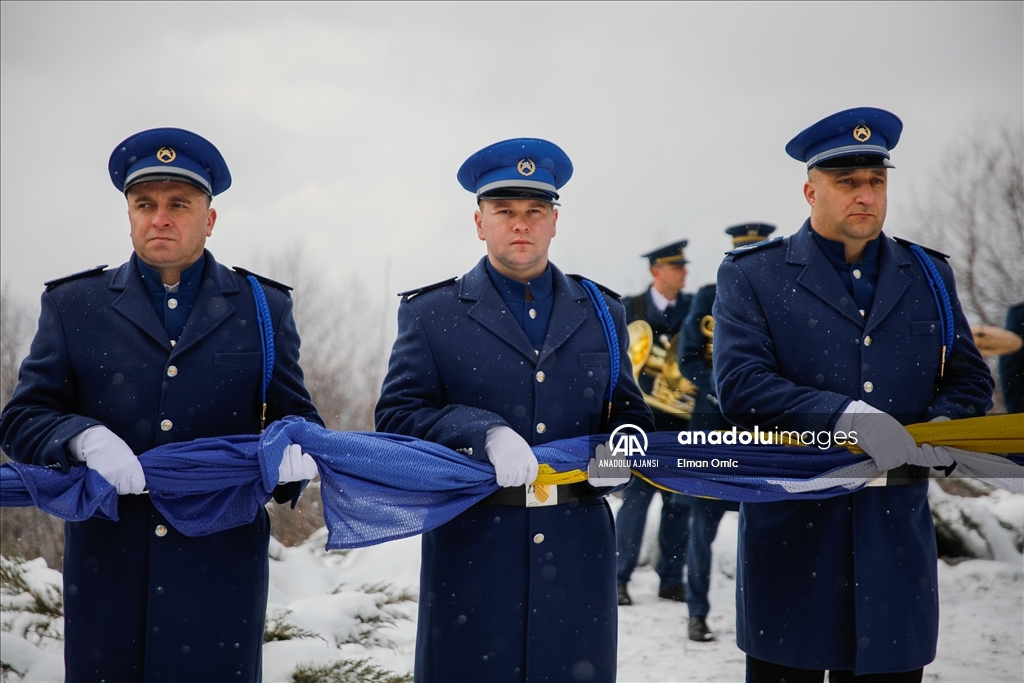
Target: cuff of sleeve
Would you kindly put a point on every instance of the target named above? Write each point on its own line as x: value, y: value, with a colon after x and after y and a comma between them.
x: 63, y: 456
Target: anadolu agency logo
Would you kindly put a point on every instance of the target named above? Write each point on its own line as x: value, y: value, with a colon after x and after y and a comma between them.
x: 625, y: 449
x: 628, y: 441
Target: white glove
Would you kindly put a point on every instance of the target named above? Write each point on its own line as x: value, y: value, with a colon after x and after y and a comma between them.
x: 513, y: 459
x: 296, y: 465
x: 932, y: 456
x: 598, y: 476
x: 879, y: 434
x: 107, y: 453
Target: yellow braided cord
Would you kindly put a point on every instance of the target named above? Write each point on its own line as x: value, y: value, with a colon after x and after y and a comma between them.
x: 989, y: 434
x: 547, y: 475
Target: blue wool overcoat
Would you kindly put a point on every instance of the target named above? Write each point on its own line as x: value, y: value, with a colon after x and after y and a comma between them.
x: 847, y: 582
x: 142, y: 601
x: 510, y: 593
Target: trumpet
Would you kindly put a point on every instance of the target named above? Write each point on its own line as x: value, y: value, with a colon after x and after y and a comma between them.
x: 707, y: 328
x: 658, y: 359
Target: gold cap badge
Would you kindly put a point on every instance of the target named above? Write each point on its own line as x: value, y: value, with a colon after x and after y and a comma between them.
x: 166, y: 155
x: 526, y: 167
x: 861, y: 133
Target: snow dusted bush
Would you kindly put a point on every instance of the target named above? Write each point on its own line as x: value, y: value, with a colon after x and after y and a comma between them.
x: 974, y: 520
x: 31, y: 619
x: 332, y: 619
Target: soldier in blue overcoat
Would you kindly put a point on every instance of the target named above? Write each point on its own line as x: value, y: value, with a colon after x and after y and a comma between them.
x: 164, y: 348
x: 695, y: 347
x: 663, y: 306
x: 513, y: 354
x: 840, y: 328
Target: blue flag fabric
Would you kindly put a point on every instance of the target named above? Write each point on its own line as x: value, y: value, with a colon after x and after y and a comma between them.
x: 380, y: 487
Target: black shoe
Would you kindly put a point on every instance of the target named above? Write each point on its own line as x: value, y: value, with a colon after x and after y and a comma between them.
x: 677, y: 593
x: 699, y: 631
x: 624, y: 598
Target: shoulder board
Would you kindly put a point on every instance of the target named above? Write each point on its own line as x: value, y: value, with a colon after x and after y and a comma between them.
x: 610, y: 292
x: 265, y: 280
x: 96, y: 270
x: 906, y: 243
x: 756, y: 246
x: 420, y: 290
x: 710, y: 285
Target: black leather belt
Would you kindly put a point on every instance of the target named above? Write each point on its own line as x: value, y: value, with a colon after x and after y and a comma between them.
x: 515, y: 496
x: 906, y: 474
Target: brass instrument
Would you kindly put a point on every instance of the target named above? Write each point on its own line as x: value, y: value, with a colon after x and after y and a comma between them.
x: 659, y: 359
x: 707, y: 328
x: 995, y: 341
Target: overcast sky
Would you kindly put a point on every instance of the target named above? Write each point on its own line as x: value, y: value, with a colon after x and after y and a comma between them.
x: 344, y: 125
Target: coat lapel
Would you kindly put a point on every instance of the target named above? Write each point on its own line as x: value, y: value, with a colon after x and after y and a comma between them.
x: 819, y: 277
x: 893, y: 281
x: 488, y: 309
x: 211, y: 308
x: 134, y: 303
x: 567, y: 312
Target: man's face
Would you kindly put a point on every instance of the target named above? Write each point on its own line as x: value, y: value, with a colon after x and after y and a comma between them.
x: 518, y: 233
x: 669, y: 278
x: 170, y: 223
x: 847, y: 205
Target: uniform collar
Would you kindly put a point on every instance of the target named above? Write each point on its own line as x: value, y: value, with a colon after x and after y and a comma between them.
x: 224, y: 280
x: 836, y: 251
x: 659, y: 300
x: 514, y: 292
x: 191, y: 278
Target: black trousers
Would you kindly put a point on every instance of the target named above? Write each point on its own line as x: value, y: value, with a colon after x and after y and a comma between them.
x: 760, y: 671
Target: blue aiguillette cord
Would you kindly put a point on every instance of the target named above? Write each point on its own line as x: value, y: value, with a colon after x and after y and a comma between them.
x: 266, y: 342
x: 610, y: 336
x: 941, y: 302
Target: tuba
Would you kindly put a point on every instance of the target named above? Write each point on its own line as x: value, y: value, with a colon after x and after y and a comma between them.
x: 659, y: 360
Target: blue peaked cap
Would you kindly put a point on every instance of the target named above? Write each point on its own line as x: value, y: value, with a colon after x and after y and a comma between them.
x: 854, y: 138
x: 748, y: 233
x: 670, y: 253
x: 521, y: 168
x: 169, y: 154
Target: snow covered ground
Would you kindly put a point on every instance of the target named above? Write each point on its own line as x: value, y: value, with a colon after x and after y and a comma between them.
x: 359, y: 605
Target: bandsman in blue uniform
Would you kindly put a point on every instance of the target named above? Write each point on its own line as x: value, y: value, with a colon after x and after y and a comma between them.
x: 842, y: 328
x: 664, y: 306
x: 511, y: 355
x: 1011, y: 365
x: 695, y: 362
x: 162, y: 349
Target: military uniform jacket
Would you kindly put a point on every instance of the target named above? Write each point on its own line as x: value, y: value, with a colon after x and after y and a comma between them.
x: 510, y: 593
x: 848, y: 582
x: 641, y: 307
x: 694, y: 365
x: 143, y: 601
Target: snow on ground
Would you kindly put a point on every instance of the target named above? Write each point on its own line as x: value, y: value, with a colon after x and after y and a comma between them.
x: 360, y: 599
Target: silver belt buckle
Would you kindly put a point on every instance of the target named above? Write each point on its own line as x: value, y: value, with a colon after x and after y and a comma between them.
x: 541, y: 495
